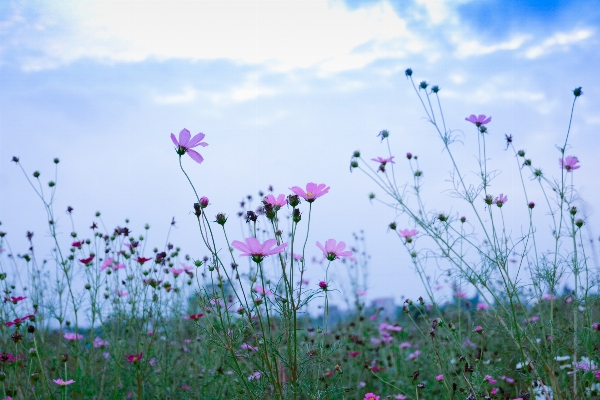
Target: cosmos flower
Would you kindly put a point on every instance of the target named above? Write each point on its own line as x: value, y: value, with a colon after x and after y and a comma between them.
x: 72, y: 336
x: 63, y: 383
x: 276, y: 202
x: 569, y: 163
x: 500, y: 200
x: 186, y: 143
x: 253, y: 248
x: 133, y: 358
x: 479, y: 120
x: 313, y: 191
x: 333, y: 250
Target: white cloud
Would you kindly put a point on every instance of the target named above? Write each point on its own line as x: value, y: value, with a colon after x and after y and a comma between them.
x: 558, y: 41
x: 468, y: 48
x: 283, y: 35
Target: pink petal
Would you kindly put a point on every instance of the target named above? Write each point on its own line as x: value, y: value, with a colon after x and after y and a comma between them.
x: 320, y: 246
x: 240, y: 246
x: 184, y: 137
x: 487, y: 121
x: 195, y: 141
x: 195, y: 156
x: 174, y: 140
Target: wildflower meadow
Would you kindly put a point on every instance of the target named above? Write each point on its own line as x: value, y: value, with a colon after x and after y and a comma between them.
x: 116, y: 314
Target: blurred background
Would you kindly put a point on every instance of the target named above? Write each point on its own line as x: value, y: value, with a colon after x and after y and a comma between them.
x: 285, y: 91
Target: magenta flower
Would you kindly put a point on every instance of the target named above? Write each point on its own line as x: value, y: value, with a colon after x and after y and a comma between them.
x: 313, y: 191
x: 333, y: 250
x: 14, y: 299
x: 278, y: 202
x: 479, y: 120
x: 87, y: 261
x: 142, y: 260
x: 253, y: 248
x: 482, y: 306
x: 63, y: 383
x: 479, y: 329
x: 254, y: 376
x: 371, y: 396
x: 323, y: 285
x: 490, y: 379
x: 186, y: 143
x: 500, y: 200
x: 262, y: 291
x: 569, y: 163
x: 177, y: 271
x: 408, y: 234
x: 72, y: 336
x: 246, y: 346
x: 439, y: 378
x: 133, y: 358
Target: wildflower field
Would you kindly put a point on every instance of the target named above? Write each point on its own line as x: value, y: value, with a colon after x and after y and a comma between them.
x: 111, y: 316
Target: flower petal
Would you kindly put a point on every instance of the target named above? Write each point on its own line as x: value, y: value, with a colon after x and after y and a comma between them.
x: 184, y: 137
x: 175, y: 142
x: 195, y: 156
x: 195, y: 141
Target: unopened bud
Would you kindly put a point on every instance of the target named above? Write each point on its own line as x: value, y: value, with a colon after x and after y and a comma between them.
x: 408, y: 72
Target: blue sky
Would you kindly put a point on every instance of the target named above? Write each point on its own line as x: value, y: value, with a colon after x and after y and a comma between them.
x: 284, y: 92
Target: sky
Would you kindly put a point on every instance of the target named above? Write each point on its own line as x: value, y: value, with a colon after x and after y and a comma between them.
x: 285, y: 91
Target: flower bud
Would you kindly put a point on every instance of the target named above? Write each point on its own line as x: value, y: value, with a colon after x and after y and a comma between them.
x: 197, y: 210
x: 221, y: 219
x: 64, y: 358
x: 527, y: 162
x: 293, y: 200
x: 579, y: 223
x: 573, y: 210
x: 521, y: 153
x: 489, y: 199
x: 463, y: 219
x: 31, y: 329
x: 435, y: 89
x: 356, y: 154
x: 15, y: 159
x: 296, y: 215
x: 56, y: 161
x: 442, y: 218
x: 204, y: 202
x: 409, y: 155
x: 408, y: 72
x: 354, y: 164
x: 531, y: 205
x: 36, y: 174
x: 577, y: 91
x: 423, y: 85
x: 51, y: 184
x: 323, y: 285
x: 392, y: 226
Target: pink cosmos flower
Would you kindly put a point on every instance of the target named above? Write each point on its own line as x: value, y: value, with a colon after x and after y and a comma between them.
x: 479, y: 329
x: 333, y: 250
x: 63, y: 383
x: 100, y: 343
x: 569, y: 163
x: 439, y: 378
x: 14, y: 300
x: 186, y: 143
x: 500, y: 200
x: 408, y: 234
x: 73, y: 336
x: 479, y: 120
x: 19, y: 321
x: 384, y: 160
x: 494, y: 391
x: 353, y: 353
x: 371, y: 396
x: 297, y: 256
x: 414, y: 355
x: 121, y: 293
x: 246, y: 346
x: 490, y: 379
x: 507, y: 379
x: 253, y: 248
x: 405, y: 345
x: 323, y: 285
x: 278, y: 202
x: 262, y: 291
x: 400, y: 397
x: 107, y: 263
x: 78, y: 244
x: 254, y: 376
x: 313, y: 191
x: 482, y: 306
x: 361, y: 292
x: 177, y: 271
x: 133, y: 358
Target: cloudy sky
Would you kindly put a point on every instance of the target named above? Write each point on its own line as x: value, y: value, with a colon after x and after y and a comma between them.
x: 285, y: 91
